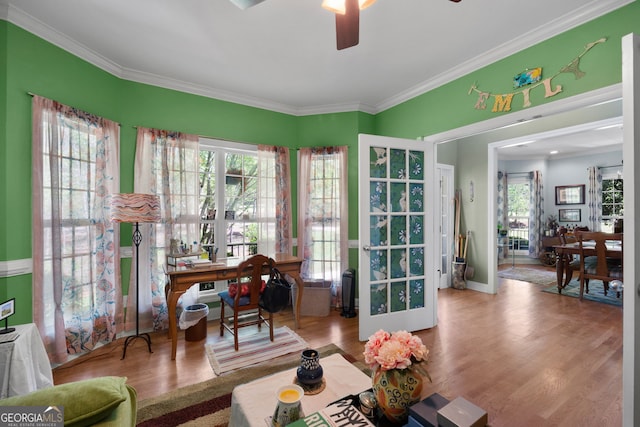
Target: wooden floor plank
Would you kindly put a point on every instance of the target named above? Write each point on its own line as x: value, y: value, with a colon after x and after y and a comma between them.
x: 528, y: 357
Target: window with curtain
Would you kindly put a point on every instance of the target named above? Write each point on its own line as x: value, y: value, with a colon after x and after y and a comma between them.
x: 612, y: 198
x: 228, y: 200
x: 167, y: 165
x: 323, y: 219
x: 76, y: 268
x: 244, y: 205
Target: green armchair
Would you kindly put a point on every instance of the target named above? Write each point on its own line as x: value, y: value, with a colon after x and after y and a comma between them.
x: 103, y: 401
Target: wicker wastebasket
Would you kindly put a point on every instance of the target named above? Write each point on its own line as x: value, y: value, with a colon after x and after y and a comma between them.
x: 458, y: 280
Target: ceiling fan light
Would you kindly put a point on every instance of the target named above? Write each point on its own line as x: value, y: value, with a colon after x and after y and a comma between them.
x: 335, y: 6
x: 365, y: 3
x: 338, y: 6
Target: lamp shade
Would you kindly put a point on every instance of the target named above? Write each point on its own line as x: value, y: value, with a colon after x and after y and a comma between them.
x: 133, y: 207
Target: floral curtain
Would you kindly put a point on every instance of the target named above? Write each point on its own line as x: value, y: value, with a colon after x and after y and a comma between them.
x: 167, y: 165
x: 594, y: 198
x: 536, y: 213
x: 77, y: 302
x: 274, y: 201
x: 503, y: 199
x: 323, y: 204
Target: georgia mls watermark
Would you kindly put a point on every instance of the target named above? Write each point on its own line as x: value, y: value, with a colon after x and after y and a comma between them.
x: 31, y: 416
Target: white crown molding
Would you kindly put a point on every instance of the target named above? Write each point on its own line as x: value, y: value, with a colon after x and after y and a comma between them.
x: 40, y: 29
x: 586, y: 13
x: 16, y: 267
x: 591, y: 10
x: 182, y: 86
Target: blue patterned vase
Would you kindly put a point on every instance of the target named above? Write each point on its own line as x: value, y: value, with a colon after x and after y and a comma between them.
x: 309, y: 372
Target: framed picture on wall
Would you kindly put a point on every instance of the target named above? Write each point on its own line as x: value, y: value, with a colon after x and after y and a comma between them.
x: 569, y: 215
x: 570, y: 195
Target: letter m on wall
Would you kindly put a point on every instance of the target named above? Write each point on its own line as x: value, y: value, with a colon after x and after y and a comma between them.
x: 502, y: 103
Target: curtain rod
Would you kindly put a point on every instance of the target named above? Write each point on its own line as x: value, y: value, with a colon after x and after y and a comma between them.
x: 201, y: 136
x: 612, y: 166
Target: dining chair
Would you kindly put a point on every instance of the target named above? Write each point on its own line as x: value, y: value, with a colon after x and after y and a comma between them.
x: 607, y: 267
x: 571, y: 263
x: 244, y: 297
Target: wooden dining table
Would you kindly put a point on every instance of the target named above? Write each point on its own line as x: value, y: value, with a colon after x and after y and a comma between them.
x: 564, y: 271
x: 181, y: 280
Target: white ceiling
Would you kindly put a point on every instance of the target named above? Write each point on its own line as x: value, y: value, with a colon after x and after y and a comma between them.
x: 585, y: 140
x: 281, y: 54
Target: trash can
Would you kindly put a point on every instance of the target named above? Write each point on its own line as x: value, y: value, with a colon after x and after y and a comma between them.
x: 194, y: 318
x: 458, y: 280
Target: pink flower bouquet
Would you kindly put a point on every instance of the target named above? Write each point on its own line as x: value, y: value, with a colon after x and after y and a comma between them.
x: 400, y: 350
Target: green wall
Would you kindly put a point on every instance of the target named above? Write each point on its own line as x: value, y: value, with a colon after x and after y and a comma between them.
x: 450, y: 106
x: 30, y: 64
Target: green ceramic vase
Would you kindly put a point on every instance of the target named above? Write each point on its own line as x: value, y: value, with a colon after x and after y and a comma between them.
x: 395, y: 391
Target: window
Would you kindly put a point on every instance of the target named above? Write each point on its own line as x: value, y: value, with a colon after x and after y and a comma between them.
x: 519, y: 196
x: 228, y: 198
x: 612, y: 200
x: 75, y: 274
x: 323, y: 197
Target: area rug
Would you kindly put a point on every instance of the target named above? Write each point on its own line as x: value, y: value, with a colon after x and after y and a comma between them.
x: 253, y: 349
x: 208, y: 403
x: 531, y: 275
x: 595, y: 292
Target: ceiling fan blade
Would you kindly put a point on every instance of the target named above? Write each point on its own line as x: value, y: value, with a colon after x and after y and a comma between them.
x: 244, y: 4
x: 348, y: 25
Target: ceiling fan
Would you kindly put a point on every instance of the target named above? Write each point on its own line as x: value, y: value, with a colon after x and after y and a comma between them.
x: 347, y: 17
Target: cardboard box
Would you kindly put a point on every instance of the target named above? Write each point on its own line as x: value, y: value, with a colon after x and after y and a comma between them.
x: 424, y: 413
x: 462, y: 413
x: 316, y: 298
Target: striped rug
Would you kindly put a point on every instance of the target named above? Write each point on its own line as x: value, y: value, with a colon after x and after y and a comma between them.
x: 208, y: 404
x: 253, y: 349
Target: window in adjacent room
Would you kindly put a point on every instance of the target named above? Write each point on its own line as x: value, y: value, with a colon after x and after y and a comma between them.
x: 612, y: 200
x: 519, y: 196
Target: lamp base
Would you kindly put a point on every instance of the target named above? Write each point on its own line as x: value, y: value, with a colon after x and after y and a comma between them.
x: 132, y: 338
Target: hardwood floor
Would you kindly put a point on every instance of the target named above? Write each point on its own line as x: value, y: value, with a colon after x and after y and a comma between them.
x: 529, y: 358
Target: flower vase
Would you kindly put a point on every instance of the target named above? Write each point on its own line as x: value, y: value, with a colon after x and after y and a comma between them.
x: 310, y: 372
x: 395, y: 391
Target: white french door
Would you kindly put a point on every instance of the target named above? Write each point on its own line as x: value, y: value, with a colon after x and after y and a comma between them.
x: 444, y: 174
x: 631, y: 155
x: 397, y: 222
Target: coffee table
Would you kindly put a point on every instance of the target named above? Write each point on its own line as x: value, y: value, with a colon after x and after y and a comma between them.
x: 252, y: 403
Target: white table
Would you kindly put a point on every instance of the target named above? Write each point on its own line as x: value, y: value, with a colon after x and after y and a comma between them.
x: 24, y: 364
x: 253, y: 402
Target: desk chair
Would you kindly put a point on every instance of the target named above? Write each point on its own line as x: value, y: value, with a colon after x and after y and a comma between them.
x: 249, y: 273
x: 605, y: 268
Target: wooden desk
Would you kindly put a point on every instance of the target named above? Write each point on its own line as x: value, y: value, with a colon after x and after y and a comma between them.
x: 181, y: 280
x: 562, y: 265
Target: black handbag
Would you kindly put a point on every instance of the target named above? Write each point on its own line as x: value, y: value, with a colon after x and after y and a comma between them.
x: 275, y: 296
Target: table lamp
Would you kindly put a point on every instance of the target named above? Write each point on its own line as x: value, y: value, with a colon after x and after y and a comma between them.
x: 136, y: 208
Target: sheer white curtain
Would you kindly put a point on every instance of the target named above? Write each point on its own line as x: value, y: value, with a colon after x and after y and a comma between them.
x: 77, y: 301
x: 274, y: 201
x: 323, y: 222
x: 167, y: 164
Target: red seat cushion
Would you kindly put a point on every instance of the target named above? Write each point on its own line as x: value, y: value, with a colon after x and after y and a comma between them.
x: 244, y: 289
